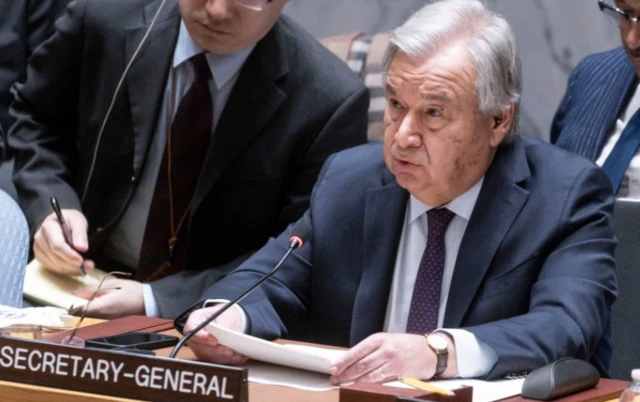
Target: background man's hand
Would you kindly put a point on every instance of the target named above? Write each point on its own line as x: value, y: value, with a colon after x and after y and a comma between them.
x: 111, y: 303
x: 204, y: 345
x: 50, y: 248
x: 384, y: 357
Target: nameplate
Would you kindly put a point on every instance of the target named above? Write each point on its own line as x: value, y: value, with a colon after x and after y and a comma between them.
x: 119, y: 374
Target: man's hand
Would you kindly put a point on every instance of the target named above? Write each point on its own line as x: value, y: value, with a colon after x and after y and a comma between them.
x: 204, y: 345
x: 50, y: 248
x: 385, y: 357
x: 113, y: 303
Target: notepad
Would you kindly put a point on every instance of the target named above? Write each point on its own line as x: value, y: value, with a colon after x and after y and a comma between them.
x: 304, y: 357
x: 48, y: 288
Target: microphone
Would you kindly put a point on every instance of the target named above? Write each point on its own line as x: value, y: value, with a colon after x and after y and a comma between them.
x: 299, y: 236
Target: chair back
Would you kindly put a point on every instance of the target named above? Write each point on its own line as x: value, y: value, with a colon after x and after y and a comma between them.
x: 625, y: 322
x: 14, y: 250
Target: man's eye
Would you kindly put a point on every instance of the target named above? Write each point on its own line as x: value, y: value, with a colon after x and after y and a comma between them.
x: 394, y: 103
x: 433, y: 112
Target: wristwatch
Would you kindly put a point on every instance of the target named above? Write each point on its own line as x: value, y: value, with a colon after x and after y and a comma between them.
x: 439, y: 343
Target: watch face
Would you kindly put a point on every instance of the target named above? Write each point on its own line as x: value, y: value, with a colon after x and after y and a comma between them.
x: 438, y: 342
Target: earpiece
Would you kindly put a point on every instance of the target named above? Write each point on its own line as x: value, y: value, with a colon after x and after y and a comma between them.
x: 498, y: 121
x: 114, y: 97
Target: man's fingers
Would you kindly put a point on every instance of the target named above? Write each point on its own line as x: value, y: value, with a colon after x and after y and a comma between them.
x: 377, y: 375
x: 216, y: 354
x: 103, y: 306
x: 56, y: 246
x: 77, y: 224
x: 355, y: 354
x: 362, y: 369
x: 86, y: 292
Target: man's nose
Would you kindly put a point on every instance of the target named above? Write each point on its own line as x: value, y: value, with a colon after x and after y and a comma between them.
x: 407, y: 135
x: 220, y: 9
x: 632, y: 36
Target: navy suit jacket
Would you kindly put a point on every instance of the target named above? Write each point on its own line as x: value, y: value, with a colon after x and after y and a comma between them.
x: 534, y: 278
x: 599, y: 89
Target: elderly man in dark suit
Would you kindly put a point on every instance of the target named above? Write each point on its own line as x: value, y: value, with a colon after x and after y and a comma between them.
x: 599, y: 115
x: 497, y: 247
x: 177, y: 136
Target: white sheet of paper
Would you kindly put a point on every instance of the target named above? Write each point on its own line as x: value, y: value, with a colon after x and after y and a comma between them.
x: 311, y: 358
x: 483, y: 391
x: 265, y: 373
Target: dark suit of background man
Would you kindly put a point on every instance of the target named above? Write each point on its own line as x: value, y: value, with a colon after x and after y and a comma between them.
x: 24, y: 25
x: 513, y: 258
x: 279, y: 105
x: 600, y: 103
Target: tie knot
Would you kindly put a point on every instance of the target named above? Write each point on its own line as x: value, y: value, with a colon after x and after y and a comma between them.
x: 201, y: 68
x: 438, y: 220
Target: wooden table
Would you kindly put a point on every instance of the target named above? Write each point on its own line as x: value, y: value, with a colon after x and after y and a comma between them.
x: 10, y: 391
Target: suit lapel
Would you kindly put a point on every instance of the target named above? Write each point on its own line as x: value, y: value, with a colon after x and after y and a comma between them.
x: 147, y: 77
x: 499, y: 203
x: 384, y: 213
x: 253, y: 101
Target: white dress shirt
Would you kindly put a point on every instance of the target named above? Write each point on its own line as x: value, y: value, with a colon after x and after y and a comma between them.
x: 474, y: 357
x: 630, y: 187
x: 126, y: 240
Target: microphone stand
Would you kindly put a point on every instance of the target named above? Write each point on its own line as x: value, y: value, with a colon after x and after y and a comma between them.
x: 295, y: 243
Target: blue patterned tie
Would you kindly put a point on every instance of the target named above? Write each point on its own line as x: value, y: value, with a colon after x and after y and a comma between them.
x: 425, y: 302
x: 618, y: 160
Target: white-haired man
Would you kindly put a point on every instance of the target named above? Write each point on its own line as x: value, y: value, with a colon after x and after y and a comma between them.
x: 496, y: 247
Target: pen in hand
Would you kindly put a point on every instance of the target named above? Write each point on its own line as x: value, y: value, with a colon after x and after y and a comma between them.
x: 65, y: 229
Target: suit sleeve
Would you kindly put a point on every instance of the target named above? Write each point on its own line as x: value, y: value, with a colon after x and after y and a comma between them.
x: 45, y: 108
x: 23, y: 27
x: 281, y: 302
x: 346, y: 128
x: 570, y: 302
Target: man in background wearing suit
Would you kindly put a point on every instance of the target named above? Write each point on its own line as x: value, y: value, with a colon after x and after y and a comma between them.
x: 598, y: 116
x: 178, y: 169
x: 497, y: 247
x: 23, y: 26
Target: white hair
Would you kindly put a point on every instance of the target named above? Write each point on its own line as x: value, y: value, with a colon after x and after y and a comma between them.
x: 488, y: 39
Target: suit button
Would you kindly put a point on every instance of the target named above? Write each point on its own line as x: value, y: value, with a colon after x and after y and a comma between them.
x: 133, y: 179
x: 99, y: 230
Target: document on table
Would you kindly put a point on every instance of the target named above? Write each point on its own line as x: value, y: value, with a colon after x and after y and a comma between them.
x: 311, y: 358
x: 483, y: 391
x: 48, y: 288
x: 318, y: 360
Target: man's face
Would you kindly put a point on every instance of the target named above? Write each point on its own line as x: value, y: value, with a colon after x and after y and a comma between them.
x: 630, y: 32
x: 224, y: 26
x: 436, y: 143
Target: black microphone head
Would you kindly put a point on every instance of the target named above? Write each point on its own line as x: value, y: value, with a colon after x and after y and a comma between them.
x: 300, y: 234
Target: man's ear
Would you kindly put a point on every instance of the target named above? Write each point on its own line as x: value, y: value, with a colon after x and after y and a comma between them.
x: 501, y: 125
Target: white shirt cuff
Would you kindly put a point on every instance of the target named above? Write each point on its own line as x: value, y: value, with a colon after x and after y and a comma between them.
x: 474, y: 357
x: 150, y: 305
x: 243, y: 315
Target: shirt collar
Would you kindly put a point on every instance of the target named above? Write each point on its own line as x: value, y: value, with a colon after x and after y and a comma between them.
x: 223, y: 66
x: 462, y: 205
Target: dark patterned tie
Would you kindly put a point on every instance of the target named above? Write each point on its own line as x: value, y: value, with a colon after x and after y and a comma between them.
x: 190, y: 136
x: 425, y: 302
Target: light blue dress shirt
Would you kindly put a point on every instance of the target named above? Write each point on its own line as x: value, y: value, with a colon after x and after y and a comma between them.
x: 126, y: 240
